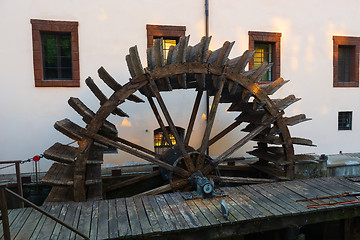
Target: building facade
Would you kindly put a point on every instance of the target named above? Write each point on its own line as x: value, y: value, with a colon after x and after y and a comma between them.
x: 314, y: 45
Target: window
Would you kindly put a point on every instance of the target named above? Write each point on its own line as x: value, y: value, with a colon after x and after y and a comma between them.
x: 160, y: 143
x: 344, y: 120
x: 267, y: 48
x: 170, y: 35
x: 346, y: 61
x: 55, y: 53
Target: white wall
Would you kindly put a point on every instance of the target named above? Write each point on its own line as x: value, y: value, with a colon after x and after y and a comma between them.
x: 108, y: 28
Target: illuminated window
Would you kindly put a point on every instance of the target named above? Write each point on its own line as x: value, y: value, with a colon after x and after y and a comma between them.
x: 345, y: 121
x: 169, y: 34
x: 55, y: 53
x: 167, y: 43
x: 263, y: 53
x: 346, y: 61
x: 267, y: 48
x: 160, y: 143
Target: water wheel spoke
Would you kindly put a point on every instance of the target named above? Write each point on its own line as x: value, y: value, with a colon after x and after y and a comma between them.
x: 188, y: 162
x: 106, y: 141
x: 209, y: 125
x: 193, y: 117
x: 165, y: 188
x: 159, y: 120
x: 224, y: 132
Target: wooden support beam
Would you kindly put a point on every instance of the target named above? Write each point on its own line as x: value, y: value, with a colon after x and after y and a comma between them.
x: 193, y: 117
x: 165, y: 188
x: 188, y: 162
x: 131, y: 181
x: 209, y: 125
x: 240, y: 180
x: 136, y: 153
x: 224, y: 132
x: 159, y: 120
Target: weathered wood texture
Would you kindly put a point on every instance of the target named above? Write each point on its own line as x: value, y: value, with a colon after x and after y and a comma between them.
x: 253, y: 208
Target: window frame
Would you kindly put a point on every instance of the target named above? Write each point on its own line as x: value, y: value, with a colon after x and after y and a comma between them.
x: 167, y: 31
x: 349, y: 115
x: 346, y: 41
x: 71, y: 27
x: 267, y: 37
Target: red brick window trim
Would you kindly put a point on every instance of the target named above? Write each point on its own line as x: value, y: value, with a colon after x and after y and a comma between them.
x: 39, y: 26
x: 165, y: 31
x: 354, y: 45
x: 267, y: 37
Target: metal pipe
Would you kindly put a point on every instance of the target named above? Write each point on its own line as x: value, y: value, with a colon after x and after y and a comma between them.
x: 207, y: 92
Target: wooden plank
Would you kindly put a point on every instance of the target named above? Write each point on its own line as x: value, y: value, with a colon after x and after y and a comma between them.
x: 61, y: 153
x: 76, y: 219
x: 58, y: 226
x: 206, y: 211
x: 234, y: 209
x: 244, y: 204
x: 303, y: 191
x: 94, y: 220
x: 123, y: 219
x: 214, y: 209
x: 29, y: 226
x: 113, y: 220
x: 291, y: 121
x: 102, y: 98
x: 114, y: 85
x: 199, y: 215
x: 302, y: 141
x: 293, y: 196
x: 174, y: 208
x: 274, y: 197
x: 40, y: 224
x: 185, y: 211
x: 224, y: 132
x: 68, y: 128
x: 275, y: 85
x: 131, y: 181
x: 103, y: 219
x: 164, y: 224
x: 85, y: 219
x: 143, y: 219
x: 12, y: 215
x: 286, y: 102
x: 133, y: 217
x: 156, y: 228
x: 232, y: 212
x: 261, y: 200
x: 168, y: 214
x: 19, y: 222
x: 49, y: 224
x: 64, y: 233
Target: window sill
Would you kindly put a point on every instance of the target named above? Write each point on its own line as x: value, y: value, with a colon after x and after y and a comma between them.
x: 57, y: 83
x: 346, y: 84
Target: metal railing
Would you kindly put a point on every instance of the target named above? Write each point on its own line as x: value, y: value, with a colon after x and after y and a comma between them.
x: 5, y: 218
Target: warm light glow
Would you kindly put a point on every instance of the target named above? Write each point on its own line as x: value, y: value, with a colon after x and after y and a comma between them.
x: 126, y: 123
x: 203, y: 116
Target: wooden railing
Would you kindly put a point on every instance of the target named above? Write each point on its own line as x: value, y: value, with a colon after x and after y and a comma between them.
x: 18, y: 176
x: 5, y: 218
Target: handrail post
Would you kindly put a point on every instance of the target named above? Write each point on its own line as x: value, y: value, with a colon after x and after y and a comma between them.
x: 19, y: 183
x: 4, y: 212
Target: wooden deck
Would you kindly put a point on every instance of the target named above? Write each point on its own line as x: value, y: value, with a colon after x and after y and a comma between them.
x: 252, y: 208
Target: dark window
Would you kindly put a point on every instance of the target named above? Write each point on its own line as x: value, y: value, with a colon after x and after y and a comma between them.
x: 56, y: 56
x: 263, y: 53
x: 267, y: 48
x: 345, y: 121
x: 346, y: 61
x: 55, y: 53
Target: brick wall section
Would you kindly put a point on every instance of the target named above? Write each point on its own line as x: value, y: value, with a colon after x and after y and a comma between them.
x: 269, y: 37
x: 347, y: 41
x: 55, y: 26
x: 163, y: 31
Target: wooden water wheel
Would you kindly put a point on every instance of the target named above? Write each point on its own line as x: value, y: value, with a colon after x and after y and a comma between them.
x: 77, y: 171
